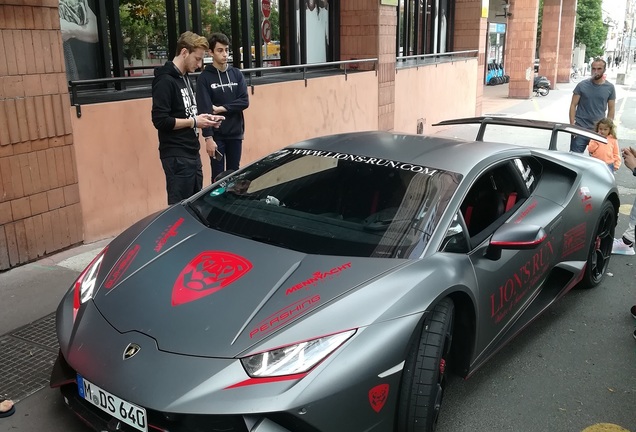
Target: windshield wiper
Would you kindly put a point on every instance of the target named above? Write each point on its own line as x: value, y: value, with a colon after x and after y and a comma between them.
x: 197, y: 213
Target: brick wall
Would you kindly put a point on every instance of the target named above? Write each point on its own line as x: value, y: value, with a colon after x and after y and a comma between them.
x: 39, y: 196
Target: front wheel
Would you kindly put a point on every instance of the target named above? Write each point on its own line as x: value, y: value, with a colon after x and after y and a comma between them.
x: 543, y: 91
x: 424, y: 375
x: 601, y: 248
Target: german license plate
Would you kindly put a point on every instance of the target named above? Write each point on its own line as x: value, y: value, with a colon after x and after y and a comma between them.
x: 128, y: 413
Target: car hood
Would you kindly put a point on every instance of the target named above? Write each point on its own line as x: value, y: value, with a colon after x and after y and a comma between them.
x: 198, y: 291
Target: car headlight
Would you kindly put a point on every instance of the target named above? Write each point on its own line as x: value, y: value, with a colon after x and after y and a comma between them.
x: 294, y: 359
x: 84, y: 286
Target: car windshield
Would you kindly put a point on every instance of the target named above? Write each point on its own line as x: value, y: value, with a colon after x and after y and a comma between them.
x: 320, y: 202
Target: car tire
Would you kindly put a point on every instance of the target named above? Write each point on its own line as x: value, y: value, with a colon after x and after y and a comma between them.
x: 425, y: 370
x: 600, y: 251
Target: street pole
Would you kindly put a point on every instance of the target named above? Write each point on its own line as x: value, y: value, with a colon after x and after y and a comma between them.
x: 631, y: 33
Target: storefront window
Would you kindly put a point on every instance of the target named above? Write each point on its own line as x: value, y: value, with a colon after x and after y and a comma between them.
x: 424, y: 27
x: 80, y: 40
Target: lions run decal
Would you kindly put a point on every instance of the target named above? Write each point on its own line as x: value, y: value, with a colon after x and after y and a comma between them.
x: 574, y: 240
x: 206, y: 274
x: 378, y: 396
x: 366, y: 160
x: 516, y: 285
x: 318, y: 277
x: 121, y: 266
x: 171, y: 231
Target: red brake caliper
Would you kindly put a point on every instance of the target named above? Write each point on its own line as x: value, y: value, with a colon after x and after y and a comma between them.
x: 442, y: 366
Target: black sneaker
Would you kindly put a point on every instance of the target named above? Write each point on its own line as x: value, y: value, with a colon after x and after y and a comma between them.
x: 633, y: 311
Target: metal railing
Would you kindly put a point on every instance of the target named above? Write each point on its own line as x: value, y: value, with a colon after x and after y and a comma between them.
x: 410, y: 61
x: 122, y: 88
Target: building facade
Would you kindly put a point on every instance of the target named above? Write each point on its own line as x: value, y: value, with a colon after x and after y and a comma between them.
x: 80, y: 171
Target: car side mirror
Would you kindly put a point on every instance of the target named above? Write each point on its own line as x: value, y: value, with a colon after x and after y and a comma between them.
x: 515, y: 236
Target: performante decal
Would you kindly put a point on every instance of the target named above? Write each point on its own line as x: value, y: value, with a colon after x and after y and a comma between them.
x: 286, y: 314
x: 586, y: 199
x: 206, y: 274
x: 526, y: 211
x: 318, y: 277
x: 516, y: 286
x: 366, y: 160
x: 574, y: 240
x: 121, y: 266
x: 171, y: 231
x: 378, y: 396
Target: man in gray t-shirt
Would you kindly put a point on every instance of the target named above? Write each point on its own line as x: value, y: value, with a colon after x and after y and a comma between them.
x: 591, y: 99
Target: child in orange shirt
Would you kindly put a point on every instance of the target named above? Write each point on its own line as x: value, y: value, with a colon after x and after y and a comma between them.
x: 608, y: 153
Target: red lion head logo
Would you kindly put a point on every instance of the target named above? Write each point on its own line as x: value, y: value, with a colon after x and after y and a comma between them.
x: 378, y: 396
x: 206, y: 274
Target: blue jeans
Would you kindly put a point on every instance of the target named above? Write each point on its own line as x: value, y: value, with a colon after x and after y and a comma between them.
x: 231, y: 151
x: 578, y: 144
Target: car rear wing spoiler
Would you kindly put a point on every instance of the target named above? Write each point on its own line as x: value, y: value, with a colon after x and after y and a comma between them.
x: 527, y: 123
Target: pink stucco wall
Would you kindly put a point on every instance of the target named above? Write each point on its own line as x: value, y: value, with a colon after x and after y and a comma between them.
x: 118, y: 168
x: 434, y: 93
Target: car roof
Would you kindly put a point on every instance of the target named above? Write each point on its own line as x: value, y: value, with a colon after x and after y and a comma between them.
x: 444, y: 153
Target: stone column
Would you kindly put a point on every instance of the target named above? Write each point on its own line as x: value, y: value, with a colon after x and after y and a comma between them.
x: 471, y: 31
x: 550, y: 30
x: 368, y: 29
x: 566, y: 40
x: 521, y: 40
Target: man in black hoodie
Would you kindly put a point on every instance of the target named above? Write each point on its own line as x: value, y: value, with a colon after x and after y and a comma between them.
x: 175, y: 116
x: 221, y: 89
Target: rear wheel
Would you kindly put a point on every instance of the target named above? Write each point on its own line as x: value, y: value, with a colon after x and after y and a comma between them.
x: 425, y: 369
x: 601, y: 248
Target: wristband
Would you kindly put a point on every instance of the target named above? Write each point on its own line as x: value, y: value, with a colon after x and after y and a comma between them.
x: 195, y: 122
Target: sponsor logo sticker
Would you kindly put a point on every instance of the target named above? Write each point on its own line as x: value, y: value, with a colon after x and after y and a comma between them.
x: 207, y: 273
x: 121, y: 266
x: 171, y: 231
x: 378, y: 396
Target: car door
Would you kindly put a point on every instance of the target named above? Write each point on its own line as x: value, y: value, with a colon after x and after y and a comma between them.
x: 509, y: 281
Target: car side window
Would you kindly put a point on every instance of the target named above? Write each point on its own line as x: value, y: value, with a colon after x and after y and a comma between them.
x: 493, y: 197
x: 529, y: 170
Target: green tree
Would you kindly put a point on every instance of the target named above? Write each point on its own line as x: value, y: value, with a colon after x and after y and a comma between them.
x: 539, y: 27
x: 590, y: 29
x: 215, y: 17
x: 143, y: 25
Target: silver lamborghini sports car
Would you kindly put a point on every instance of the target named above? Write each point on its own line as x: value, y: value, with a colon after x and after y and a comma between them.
x: 332, y: 285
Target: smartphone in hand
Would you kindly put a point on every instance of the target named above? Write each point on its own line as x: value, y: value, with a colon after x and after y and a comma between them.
x: 217, y: 155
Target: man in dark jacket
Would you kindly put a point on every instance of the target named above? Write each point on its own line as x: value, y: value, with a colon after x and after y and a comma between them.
x: 221, y: 89
x: 174, y: 114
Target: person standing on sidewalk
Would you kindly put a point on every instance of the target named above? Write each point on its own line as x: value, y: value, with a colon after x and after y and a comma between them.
x: 591, y: 100
x: 625, y: 245
x: 221, y: 89
x: 175, y: 116
x: 608, y: 153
